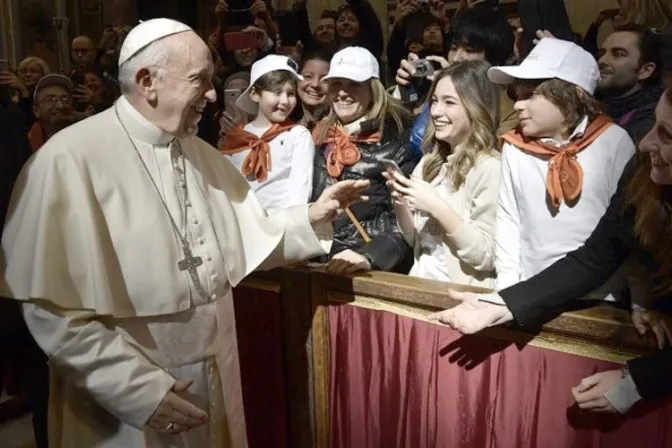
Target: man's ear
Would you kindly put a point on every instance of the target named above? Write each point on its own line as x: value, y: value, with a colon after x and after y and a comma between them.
x: 146, y: 80
x: 646, y: 71
x: 36, y: 111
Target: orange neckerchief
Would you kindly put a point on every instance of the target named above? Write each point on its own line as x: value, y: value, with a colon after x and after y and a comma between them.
x: 258, y: 161
x: 564, y: 179
x: 36, y: 136
x: 344, y: 151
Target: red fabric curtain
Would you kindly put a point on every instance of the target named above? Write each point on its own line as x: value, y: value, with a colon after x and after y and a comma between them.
x: 400, y: 382
x: 258, y: 326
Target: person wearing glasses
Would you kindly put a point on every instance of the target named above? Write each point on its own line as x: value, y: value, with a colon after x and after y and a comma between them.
x: 52, y: 105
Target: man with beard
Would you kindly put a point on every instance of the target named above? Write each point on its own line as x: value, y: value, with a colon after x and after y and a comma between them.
x: 630, y: 85
x: 52, y: 107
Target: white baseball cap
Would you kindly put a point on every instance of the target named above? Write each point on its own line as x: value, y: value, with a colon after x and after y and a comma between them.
x: 353, y: 63
x: 147, y: 32
x: 553, y: 58
x: 270, y: 63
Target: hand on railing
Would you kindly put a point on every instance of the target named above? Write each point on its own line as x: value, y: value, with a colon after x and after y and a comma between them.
x: 659, y: 324
x: 476, y: 312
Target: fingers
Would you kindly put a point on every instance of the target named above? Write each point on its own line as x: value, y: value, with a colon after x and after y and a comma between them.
x: 457, y: 295
x: 184, y: 412
x: 440, y: 59
x: 638, y: 322
x: 660, y: 335
x: 182, y: 385
x: 588, y: 383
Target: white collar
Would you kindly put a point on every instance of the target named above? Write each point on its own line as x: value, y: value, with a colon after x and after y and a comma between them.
x: 579, y: 130
x: 139, y: 127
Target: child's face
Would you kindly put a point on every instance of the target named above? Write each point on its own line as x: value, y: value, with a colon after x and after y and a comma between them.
x: 450, y: 118
x: 277, y: 106
x: 540, y: 118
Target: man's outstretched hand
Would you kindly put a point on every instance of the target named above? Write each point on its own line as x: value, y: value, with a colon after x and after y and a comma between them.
x: 475, y: 313
x: 336, y: 198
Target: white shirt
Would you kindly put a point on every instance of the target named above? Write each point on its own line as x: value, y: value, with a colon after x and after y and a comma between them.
x: 465, y: 256
x: 290, y: 179
x: 530, y: 236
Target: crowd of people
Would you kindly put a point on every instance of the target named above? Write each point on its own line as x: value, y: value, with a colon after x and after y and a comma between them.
x: 542, y: 173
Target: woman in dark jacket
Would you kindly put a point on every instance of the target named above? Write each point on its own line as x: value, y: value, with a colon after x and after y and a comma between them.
x: 639, y: 222
x: 364, y: 126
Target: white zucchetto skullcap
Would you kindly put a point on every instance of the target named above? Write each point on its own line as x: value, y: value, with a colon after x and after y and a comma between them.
x: 147, y: 32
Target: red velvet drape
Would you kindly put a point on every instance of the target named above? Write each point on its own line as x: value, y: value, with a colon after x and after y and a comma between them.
x: 400, y: 382
x: 258, y: 325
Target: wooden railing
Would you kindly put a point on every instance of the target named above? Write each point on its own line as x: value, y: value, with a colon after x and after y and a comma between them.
x: 305, y: 292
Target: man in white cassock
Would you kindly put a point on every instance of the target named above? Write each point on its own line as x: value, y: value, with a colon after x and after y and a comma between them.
x: 124, y: 237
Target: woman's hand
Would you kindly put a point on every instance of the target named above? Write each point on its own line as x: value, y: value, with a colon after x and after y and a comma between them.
x: 658, y: 323
x: 589, y: 394
x: 348, y: 262
x: 419, y: 195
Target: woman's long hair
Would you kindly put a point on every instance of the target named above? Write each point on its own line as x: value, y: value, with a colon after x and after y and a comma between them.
x: 480, y: 98
x: 655, y: 14
x: 384, y: 110
x: 653, y: 223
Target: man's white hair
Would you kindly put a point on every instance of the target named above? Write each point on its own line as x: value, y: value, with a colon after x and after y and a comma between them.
x: 154, y: 57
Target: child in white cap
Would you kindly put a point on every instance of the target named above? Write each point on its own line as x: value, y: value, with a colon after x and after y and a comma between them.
x: 560, y: 166
x: 274, y: 153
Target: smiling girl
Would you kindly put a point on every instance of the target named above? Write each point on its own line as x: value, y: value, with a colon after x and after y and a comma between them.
x: 273, y: 152
x: 447, y: 209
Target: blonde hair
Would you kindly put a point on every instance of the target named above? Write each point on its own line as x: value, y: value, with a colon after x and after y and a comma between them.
x: 38, y: 61
x: 651, y: 13
x: 480, y: 99
x: 384, y: 109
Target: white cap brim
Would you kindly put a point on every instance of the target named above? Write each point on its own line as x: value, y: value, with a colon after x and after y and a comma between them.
x: 507, y: 75
x: 245, y: 103
x: 347, y: 74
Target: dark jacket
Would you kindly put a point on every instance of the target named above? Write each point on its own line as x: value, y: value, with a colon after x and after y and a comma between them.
x: 388, y: 251
x: 585, y: 269
x: 635, y: 113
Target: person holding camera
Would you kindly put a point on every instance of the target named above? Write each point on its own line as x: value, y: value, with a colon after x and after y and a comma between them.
x: 477, y: 34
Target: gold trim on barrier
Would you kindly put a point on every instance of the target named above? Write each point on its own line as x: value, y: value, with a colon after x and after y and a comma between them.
x: 559, y: 343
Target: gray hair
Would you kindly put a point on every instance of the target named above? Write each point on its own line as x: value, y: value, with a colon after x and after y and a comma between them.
x: 154, y: 57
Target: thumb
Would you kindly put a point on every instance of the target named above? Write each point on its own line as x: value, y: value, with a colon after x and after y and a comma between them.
x: 457, y: 295
x: 182, y: 385
x: 639, y: 325
x: 587, y: 383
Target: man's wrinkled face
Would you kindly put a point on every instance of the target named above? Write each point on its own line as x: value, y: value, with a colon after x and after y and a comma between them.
x: 185, y: 87
x: 53, y: 105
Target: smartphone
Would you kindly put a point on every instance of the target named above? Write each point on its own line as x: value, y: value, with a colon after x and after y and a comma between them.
x: 391, y: 165
x: 241, y: 41
x: 288, y: 28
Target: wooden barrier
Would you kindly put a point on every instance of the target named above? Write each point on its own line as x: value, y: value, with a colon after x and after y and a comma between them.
x: 300, y: 298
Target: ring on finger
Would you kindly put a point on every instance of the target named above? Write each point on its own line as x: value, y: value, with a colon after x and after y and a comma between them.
x: 171, y: 427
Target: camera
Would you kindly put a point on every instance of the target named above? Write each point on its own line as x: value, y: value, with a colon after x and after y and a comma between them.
x: 425, y: 68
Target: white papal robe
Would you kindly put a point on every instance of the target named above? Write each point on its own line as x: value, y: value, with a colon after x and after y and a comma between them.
x: 90, y: 249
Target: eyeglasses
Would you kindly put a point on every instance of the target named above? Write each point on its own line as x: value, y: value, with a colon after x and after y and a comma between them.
x: 53, y: 99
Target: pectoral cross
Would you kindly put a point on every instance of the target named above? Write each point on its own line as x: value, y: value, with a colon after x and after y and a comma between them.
x: 190, y: 263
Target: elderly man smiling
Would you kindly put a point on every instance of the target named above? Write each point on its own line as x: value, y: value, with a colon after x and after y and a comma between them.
x: 125, y: 235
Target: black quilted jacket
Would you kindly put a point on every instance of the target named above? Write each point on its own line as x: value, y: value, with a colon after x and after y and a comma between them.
x: 387, y: 251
